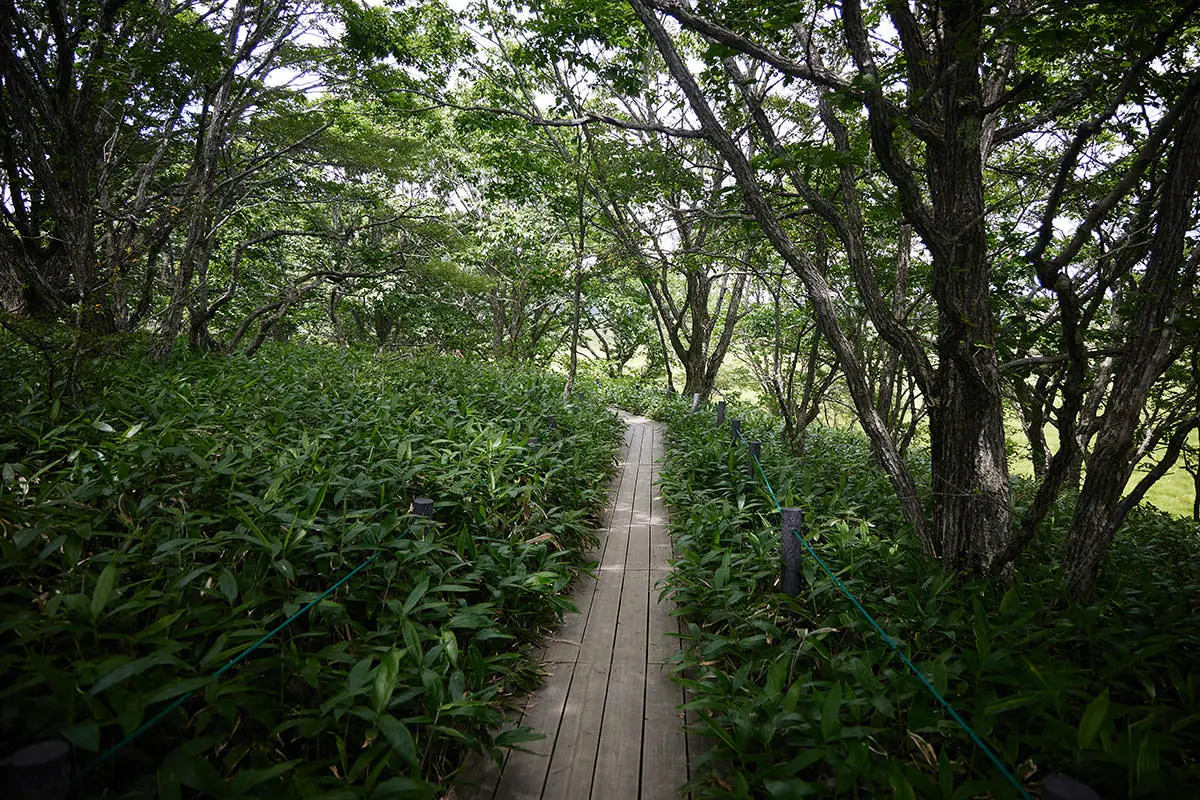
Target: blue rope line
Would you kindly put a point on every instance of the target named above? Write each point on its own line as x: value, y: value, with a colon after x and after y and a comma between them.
x: 890, y: 643
x: 239, y: 658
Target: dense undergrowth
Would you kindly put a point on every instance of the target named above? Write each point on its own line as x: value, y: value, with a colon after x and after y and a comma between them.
x: 801, y: 698
x: 156, y: 527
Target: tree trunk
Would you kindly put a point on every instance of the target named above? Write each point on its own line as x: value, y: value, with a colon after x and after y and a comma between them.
x: 972, y: 519
x: 576, y: 303
x: 1150, y: 349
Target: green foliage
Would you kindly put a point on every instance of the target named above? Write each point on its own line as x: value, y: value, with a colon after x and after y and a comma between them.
x: 175, y: 515
x: 634, y: 395
x: 801, y: 698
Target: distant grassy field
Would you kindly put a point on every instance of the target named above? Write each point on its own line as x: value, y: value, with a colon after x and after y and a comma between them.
x: 1173, y: 493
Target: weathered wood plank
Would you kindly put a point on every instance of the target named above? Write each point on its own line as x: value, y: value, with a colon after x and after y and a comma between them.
x: 664, y: 747
x: 597, y: 643
x: 619, y: 759
x: 525, y: 773
x: 574, y: 760
x: 616, y: 541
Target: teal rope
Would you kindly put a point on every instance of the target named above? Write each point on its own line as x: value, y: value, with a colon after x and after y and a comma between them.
x: 239, y: 658
x: 890, y: 643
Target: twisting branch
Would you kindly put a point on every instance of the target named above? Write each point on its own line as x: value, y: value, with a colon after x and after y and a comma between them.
x: 589, y: 118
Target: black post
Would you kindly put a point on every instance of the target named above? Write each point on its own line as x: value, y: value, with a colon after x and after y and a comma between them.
x: 721, y: 412
x: 38, y: 772
x: 793, y: 551
x: 1062, y: 787
x: 755, y: 452
x: 422, y: 507
x: 735, y: 428
x: 550, y: 423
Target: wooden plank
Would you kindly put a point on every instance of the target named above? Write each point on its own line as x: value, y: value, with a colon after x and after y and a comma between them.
x: 637, y: 554
x: 619, y: 758
x: 614, y: 487
x: 616, y: 540
x: 664, y: 747
x: 661, y: 548
x: 616, y: 548
x: 574, y: 759
x: 650, y: 432
x: 597, y: 643
x: 525, y: 773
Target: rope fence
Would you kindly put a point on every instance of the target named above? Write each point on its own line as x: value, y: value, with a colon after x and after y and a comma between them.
x: 43, y: 769
x: 792, y: 540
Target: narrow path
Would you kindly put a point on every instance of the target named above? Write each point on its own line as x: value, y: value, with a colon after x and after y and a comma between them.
x: 608, y: 708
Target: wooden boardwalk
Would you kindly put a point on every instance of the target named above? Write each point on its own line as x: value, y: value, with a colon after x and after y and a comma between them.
x: 608, y: 708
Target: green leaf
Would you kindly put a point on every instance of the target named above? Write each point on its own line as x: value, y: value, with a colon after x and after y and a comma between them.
x: 789, y: 789
x: 247, y: 779
x: 398, y: 737
x: 831, y: 710
x: 408, y: 788
x: 228, y: 584
x: 411, y: 640
x: 940, y: 677
x: 386, y: 677
x: 128, y: 670
x: 104, y: 588
x: 416, y: 594
x: 357, y: 678
x: 1093, y: 718
x: 511, y: 738
x: 85, y: 735
x: 177, y: 688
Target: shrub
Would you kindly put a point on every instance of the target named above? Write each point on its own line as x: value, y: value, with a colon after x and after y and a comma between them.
x: 176, y: 513
x: 800, y: 697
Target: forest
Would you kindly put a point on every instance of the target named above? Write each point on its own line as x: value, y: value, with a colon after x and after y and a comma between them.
x: 272, y: 271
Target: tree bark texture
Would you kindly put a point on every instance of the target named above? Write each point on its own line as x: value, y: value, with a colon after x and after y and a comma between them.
x: 969, y: 462
x: 1163, y: 294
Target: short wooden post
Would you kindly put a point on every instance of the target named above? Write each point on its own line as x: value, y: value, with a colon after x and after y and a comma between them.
x: 422, y: 507
x: 793, y: 552
x: 38, y: 772
x: 735, y: 428
x: 721, y: 412
x: 755, y: 452
x: 695, y: 402
x: 550, y: 423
